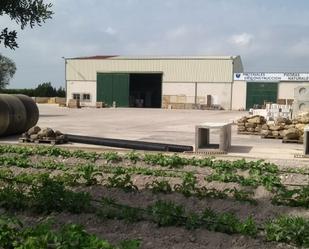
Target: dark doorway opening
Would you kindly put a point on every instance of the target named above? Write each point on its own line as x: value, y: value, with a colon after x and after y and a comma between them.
x: 145, y: 90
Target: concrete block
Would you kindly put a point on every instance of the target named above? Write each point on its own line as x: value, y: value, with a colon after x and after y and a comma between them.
x: 181, y: 99
x: 189, y: 106
x: 191, y: 99
x: 201, y: 100
x: 202, y: 137
x: 173, y: 99
x: 306, y: 140
x: 178, y: 106
x: 166, y: 99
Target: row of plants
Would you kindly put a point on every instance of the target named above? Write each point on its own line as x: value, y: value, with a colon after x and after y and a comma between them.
x: 47, y: 195
x: 16, y: 235
x: 172, y: 161
x: 24, y: 162
x: 282, y: 195
x: 260, y: 173
x: 257, y: 177
x: 287, y: 229
x: 88, y: 175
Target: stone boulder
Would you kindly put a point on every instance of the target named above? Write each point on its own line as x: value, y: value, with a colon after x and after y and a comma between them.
x: 256, y: 120
x: 291, y: 133
x: 300, y: 127
x: 34, y: 130
x: 47, y: 132
x: 303, y: 118
x: 275, y: 127
x: 266, y: 133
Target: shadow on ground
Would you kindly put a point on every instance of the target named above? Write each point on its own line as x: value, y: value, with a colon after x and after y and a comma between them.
x: 51, y: 116
x: 240, y: 149
x: 10, y: 138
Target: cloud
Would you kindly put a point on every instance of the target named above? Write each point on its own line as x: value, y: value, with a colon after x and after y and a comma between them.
x: 178, y: 32
x: 267, y: 36
x: 110, y: 31
x: 242, y: 40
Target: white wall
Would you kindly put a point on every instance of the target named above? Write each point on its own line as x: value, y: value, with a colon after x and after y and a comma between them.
x: 286, y: 89
x: 184, y: 89
x: 88, y: 87
x: 220, y: 92
x: 239, y: 96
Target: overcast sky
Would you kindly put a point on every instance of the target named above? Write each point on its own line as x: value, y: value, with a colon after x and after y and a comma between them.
x: 269, y: 35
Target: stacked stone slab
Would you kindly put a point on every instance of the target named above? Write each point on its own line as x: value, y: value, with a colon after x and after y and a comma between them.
x: 36, y: 134
x: 276, y: 129
x: 287, y: 129
x: 250, y: 124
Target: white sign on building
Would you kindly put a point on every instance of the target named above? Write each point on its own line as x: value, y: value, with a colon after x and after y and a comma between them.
x: 271, y: 77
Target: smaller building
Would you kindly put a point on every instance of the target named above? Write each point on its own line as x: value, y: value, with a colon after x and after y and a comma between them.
x: 256, y: 88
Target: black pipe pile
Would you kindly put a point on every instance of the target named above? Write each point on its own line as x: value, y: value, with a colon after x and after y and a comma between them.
x: 128, y: 144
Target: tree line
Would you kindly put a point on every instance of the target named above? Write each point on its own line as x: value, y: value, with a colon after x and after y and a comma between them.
x: 42, y: 90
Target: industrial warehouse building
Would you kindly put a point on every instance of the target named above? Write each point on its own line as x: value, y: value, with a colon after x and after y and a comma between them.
x: 176, y: 82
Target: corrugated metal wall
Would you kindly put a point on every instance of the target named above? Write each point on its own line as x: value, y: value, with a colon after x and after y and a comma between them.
x: 199, y: 69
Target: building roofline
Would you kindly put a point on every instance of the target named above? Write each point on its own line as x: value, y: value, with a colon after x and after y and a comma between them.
x: 115, y: 57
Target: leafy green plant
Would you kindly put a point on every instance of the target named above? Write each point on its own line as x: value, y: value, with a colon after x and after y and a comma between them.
x: 173, y: 161
x: 12, y: 197
x: 292, y: 230
x: 160, y: 187
x: 188, y: 185
x: 121, y: 181
x: 133, y: 156
x: 243, y: 196
x: 167, y: 213
x: 88, y: 173
x: 111, y: 157
x: 14, y: 235
x: 51, y: 196
x: 204, y: 192
x: 110, y: 210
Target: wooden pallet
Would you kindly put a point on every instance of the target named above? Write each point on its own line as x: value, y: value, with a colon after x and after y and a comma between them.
x: 42, y: 141
x: 294, y: 141
x: 270, y: 137
x: 301, y: 156
x: 210, y: 152
x: 248, y: 133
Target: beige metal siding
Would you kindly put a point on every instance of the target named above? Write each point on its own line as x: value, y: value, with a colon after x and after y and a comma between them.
x: 238, y: 67
x: 174, y: 69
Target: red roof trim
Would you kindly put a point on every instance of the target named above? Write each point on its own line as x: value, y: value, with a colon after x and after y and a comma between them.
x: 96, y: 57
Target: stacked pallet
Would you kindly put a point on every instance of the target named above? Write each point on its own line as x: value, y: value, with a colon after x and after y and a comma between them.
x: 74, y: 103
x: 250, y: 125
x: 46, y: 135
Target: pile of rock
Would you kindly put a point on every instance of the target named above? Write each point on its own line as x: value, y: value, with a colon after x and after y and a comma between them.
x: 38, y: 135
x: 250, y: 124
x: 287, y: 129
x: 276, y: 129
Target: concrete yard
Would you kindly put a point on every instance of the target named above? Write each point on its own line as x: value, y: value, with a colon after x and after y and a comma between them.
x: 158, y: 125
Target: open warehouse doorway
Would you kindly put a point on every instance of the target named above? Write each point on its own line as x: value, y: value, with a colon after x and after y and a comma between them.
x: 146, y: 90
x: 130, y: 89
